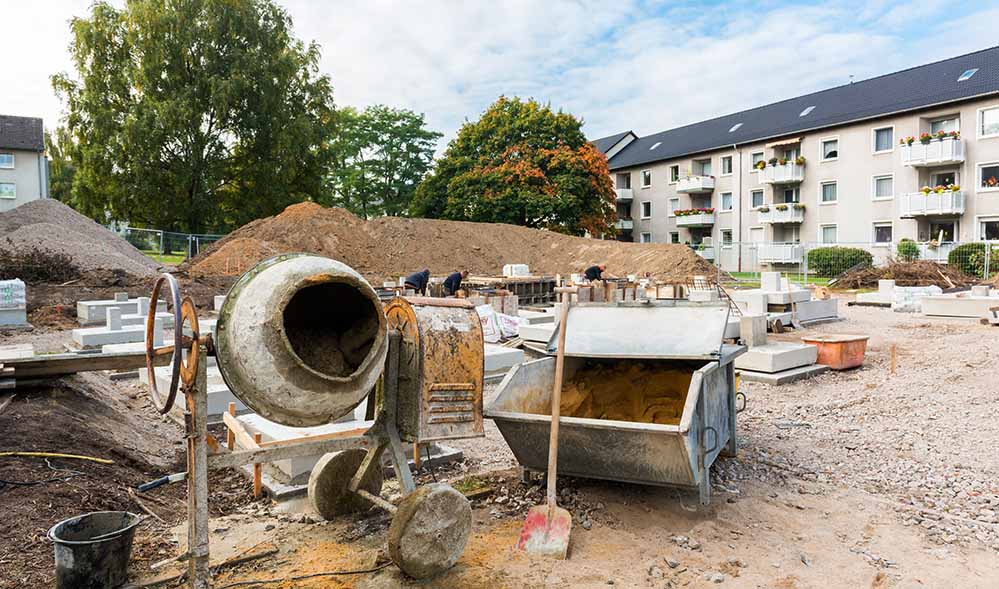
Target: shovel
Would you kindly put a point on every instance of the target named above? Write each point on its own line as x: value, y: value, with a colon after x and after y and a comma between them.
x: 546, y: 529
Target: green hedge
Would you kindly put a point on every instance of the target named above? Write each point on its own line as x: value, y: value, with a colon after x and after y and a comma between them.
x: 970, y: 259
x: 830, y: 261
x: 907, y: 250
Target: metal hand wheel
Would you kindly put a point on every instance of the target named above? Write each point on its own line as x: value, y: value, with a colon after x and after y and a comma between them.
x: 180, y: 370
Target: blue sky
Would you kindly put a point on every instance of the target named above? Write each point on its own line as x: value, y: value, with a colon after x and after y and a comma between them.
x: 646, y: 66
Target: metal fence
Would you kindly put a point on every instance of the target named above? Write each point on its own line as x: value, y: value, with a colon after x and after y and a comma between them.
x: 818, y: 262
x: 166, y: 246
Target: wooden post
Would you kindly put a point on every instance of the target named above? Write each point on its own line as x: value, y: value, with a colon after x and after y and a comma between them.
x: 894, y: 359
x: 196, y: 422
x: 416, y: 455
x: 258, y: 483
x: 230, y: 438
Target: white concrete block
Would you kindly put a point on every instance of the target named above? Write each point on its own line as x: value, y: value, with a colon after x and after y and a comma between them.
x: 703, y: 296
x: 510, y: 270
x: 817, y: 309
x: 120, y: 297
x: 536, y: 317
x: 13, y: 318
x: 95, y: 312
x: 756, y: 303
x: 770, y: 282
x: 165, y: 319
x: 980, y: 291
x: 959, y: 306
x: 753, y: 330
x: 220, y: 299
x: 886, y: 286
x: 537, y: 333
x: 16, y: 351
x: 114, y: 319
x: 501, y: 358
x: 732, y: 328
x: 90, y: 337
x: 874, y: 297
x: 13, y: 303
x: 777, y: 357
x: 909, y: 299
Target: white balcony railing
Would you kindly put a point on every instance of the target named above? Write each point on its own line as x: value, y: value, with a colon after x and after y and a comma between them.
x: 937, y: 253
x: 624, y: 194
x: 696, y: 184
x: 624, y: 224
x: 788, y: 215
x: 788, y: 173
x: 916, y: 204
x: 698, y: 220
x: 934, y: 153
x: 779, y: 253
x: 708, y: 253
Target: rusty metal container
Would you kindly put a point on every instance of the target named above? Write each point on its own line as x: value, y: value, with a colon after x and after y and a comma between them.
x: 675, y: 336
x: 301, y: 339
x: 441, y: 368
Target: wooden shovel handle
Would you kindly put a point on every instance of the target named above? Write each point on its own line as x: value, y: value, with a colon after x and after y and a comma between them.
x: 557, y: 402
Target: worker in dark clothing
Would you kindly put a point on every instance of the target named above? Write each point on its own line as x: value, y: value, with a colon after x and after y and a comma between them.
x: 595, y: 272
x: 418, y: 281
x: 453, y: 282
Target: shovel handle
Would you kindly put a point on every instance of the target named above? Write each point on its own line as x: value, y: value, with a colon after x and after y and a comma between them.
x: 557, y: 401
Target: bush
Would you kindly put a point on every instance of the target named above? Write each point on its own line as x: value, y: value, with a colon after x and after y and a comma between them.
x: 970, y: 259
x: 907, y: 250
x: 831, y: 261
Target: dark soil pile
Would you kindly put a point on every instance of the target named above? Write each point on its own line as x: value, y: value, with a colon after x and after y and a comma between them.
x: 916, y: 273
x: 389, y: 247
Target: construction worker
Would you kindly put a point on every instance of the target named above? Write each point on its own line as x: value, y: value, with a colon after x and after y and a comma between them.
x: 453, y: 282
x: 419, y: 281
x: 595, y: 272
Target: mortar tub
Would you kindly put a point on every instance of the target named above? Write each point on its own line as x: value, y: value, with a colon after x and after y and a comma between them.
x: 645, y: 453
x: 839, y: 352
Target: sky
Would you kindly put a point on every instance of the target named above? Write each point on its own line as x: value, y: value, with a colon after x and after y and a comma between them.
x: 646, y: 66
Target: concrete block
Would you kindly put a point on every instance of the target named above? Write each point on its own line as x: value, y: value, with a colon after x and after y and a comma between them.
x: 732, y: 328
x: 879, y: 298
x: 90, y: 337
x: 770, y: 282
x: 536, y: 317
x: 13, y: 304
x: 16, y: 351
x: 95, y: 312
x: 704, y: 296
x: 753, y: 330
x: 980, y: 291
x: 806, y: 311
x: 501, y: 358
x: 777, y: 357
x: 510, y: 270
x: 165, y: 319
x: 537, y: 333
x: 220, y: 299
x: 909, y: 299
x: 13, y: 318
x: 756, y: 303
x: 886, y: 286
x: 784, y: 376
x: 959, y: 306
x: 113, y: 319
x: 120, y: 297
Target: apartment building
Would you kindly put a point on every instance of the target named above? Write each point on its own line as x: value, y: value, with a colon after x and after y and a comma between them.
x: 24, y: 169
x: 912, y: 154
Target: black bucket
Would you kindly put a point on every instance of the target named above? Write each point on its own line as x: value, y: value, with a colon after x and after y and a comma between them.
x: 92, y: 550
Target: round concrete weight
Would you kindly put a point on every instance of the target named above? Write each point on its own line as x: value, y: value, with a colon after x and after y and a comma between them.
x: 430, y: 530
x: 330, y: 477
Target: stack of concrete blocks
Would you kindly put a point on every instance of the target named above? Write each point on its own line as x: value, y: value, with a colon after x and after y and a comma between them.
x: 883, y: 296
x: 909, y: 299
x: 13, y: 305
x: 773, y: 363
x: 114, y: 331
x: 142, y: 312
x: 95, y: 312
x: 501, y: 303
x: 219, y: 395
x: 974, y: 304
x: 515, y: 270
x: 785, y: 302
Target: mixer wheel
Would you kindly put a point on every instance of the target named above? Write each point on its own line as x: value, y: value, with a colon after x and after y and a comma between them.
x: 330, y: 477
x: 429, y: 530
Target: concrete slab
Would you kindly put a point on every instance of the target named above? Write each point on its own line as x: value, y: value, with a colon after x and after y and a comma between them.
x: 703, y: 296
x: 537, y: 333
x: 959, y: 306
x: 16, y: 351
x: 909, y: 299
x: 536, y: 317
x: 92, y: 337
x: 785, y: 376
x: 777, y: 357
x: 806, y: 311
x: 501, y: 358
x: 874, y: 298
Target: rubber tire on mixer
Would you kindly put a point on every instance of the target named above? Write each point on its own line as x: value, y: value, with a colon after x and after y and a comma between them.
x: 330, y: 478
x: 430, y: 530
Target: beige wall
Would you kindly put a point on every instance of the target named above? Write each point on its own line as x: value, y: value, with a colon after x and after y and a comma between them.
x: 855, y: 211
x: 29, y: 167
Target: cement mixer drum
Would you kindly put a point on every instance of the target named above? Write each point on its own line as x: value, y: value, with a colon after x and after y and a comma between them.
x: 301, y: 339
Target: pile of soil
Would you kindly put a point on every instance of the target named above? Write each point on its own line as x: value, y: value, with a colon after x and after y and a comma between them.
x: 47, y: 229
x: 915, y: 273
x: 388, y: 247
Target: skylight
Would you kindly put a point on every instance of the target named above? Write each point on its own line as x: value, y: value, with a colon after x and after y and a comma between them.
x: 657, y: 144
x: 735, y: 128
x: 806, y: 111
x: 967, y: 74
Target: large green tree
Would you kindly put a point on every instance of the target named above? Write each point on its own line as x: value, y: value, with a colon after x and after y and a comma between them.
x: 58, y: 146
x: 381, y: 156
x: 524, y: 164
x: 194, y: 115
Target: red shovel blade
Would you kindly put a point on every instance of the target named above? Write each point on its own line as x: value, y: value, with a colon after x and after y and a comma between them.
x: 546, y: 531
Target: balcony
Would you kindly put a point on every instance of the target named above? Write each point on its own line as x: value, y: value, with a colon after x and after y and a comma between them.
x: 935, y: 253
x: 624, y: 194
x: 695, y: 184
x: 779, y: 253
x: 708, y: 253
x: 695, y: 217
x: 624, y: 224
x: 935, y: 153
x: 918, y: 204
x: 790, y: 214
x: 789, y: 173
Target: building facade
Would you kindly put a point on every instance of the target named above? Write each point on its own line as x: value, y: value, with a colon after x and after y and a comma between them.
x: 24, y: 169
x: 866, y: 164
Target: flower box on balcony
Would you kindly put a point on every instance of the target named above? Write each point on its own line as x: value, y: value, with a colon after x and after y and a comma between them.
x: 695, y: 217
x: 949, y: 150
x: 786, y: 173
x: 917, y: 204
x: 790, y: 213
x: 693, y: 184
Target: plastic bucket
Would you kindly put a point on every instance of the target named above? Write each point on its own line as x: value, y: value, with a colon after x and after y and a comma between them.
x: 92, y: 550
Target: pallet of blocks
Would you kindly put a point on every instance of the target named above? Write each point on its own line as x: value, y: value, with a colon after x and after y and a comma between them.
x: 530, y: 290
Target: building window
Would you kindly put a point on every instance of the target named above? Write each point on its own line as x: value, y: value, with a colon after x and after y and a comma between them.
x: 989, y: 229
x: 755, y: 158
x: 884, y: 187
x: 726, y: 165
x: 702, y: 167
x: 830, y: 149
x: 624, y: 180
x: 726, y: 201
x: 946, y: 125
x: 756, y: 199
x: 674, y: 204
x: 674, y: 237
x: 827, y: 234
x: 988, y: 177
x: 726, y: 236
x: 7, y: 161
x: 882, y: 233
x: 674, y: 174
x: 8, y: 190
x: 646, y: 209
x: 884, y: 139
x: 829, y: 192
x: 646, y: 178
x: 792, y: 195
x: 646, y: 238
x: 988, y: 122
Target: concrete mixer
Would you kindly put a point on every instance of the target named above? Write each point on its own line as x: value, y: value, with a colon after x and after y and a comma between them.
x: 302, y: 340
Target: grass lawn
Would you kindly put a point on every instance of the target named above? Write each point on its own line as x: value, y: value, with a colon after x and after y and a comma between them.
x: 165, y: 259
x: 753, y: 278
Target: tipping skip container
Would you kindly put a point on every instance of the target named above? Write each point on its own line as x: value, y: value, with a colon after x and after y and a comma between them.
x: 92, y: 550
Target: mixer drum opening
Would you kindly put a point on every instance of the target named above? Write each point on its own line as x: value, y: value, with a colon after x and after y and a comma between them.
x: 331, y: 327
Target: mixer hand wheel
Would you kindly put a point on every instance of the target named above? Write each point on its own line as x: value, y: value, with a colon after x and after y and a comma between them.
x: 185, y: 313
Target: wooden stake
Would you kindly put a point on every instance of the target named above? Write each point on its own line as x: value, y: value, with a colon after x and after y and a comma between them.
x: 230, y: 437
x: 257, y: 472
x: 416, y: 455
x: 894, y: 359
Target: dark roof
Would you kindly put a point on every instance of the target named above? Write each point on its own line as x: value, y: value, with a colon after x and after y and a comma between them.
x: 21, y: 133
x: 915, y: 88
x: 604, y: 144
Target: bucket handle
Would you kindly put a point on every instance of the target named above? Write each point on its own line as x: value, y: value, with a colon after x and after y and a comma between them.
x: 714, y: 443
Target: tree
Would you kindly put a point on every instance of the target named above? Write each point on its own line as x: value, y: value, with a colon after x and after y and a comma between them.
x: 524, y: 164
x: 194, y: 114
x: 381, y: 155
x: 61, y: 167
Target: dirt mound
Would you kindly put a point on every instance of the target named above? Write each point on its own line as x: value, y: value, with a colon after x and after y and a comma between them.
x: 916, y: 273
x: 47, y: 225
x: 388, y: 247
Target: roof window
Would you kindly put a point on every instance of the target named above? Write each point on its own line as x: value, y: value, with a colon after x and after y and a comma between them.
x: 967, y: 74
x: 657, y: 144
x: 806, y: 111
x: 735, y: 128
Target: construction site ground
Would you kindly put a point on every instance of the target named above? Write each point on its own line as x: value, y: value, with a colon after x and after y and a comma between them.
x: 853, y: 479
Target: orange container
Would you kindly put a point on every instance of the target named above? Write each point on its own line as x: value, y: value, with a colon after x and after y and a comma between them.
x: 839, y: 352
